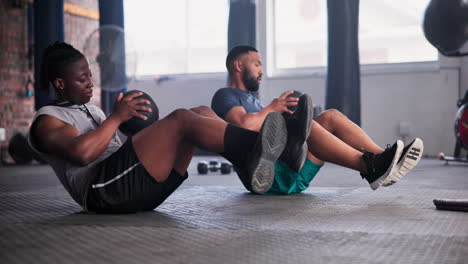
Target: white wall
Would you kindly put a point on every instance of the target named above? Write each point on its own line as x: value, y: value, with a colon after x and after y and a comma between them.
x: 464, y: 76
x: 423, y: 100
x: 181, y: 92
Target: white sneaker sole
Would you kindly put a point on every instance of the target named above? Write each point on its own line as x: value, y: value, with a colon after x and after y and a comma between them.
x: 308, y: 127
x: 408, y: 162
x: 296, y: 160
x: 392, y: 169
x: 272, y: 141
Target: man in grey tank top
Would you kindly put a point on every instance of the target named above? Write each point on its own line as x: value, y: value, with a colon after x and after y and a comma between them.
x: 105, y: 176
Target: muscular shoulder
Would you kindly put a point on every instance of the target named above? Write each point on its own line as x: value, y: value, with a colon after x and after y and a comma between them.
x: 228, y: 93
x: 225, y: 99
x: 46, y: 130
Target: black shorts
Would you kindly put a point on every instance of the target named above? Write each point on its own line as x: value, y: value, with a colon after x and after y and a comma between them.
x: 122, y: 184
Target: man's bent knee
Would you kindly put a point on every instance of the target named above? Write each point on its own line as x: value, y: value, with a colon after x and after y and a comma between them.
x: 179, y: 114
x: 327, y: 118
x: 202, y: 109
x: 329, y: 114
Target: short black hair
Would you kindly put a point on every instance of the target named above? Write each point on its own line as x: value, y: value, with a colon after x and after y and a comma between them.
x: 55, y: 58
x: 236, y: 52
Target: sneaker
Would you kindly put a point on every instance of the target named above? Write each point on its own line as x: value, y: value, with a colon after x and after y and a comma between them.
x: 269, y: 146
x: 410, y: 157
x: 382, y: 166
x: 298, y: 125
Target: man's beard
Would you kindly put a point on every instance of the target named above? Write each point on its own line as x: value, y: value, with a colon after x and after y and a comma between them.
x: 250, y: 82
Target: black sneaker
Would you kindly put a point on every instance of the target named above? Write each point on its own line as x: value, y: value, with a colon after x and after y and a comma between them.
x: 269, y: 146
x: 298, y: 125
x: 381, y: 167
x: 410, y: 157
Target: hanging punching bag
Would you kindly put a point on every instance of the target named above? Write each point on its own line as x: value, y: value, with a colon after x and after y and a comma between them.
x: 446, y: 25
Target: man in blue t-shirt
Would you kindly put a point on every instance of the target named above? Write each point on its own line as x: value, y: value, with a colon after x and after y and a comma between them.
x: 331, y: 137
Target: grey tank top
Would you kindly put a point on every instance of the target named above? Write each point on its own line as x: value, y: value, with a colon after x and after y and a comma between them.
x: 76, y: 179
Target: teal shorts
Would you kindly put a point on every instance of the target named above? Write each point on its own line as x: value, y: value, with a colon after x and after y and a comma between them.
x: 286, y: 181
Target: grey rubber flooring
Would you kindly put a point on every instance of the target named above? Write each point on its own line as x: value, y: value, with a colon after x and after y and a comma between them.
x: 212, y: 219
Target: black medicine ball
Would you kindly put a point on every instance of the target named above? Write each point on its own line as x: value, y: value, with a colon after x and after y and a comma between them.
x: 295, y: 94
x: 135, y: 124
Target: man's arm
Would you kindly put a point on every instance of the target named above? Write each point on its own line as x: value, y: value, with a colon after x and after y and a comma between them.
x: 253, y: 121
x: 53, y: 136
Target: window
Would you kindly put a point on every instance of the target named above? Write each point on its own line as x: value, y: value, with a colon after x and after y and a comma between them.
x: 177, y: 36
x: 390, y: 31
x: 300, y: 32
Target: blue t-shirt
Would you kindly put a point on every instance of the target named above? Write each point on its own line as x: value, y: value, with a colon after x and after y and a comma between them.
x: 227, y: 98
x: 285, y: 181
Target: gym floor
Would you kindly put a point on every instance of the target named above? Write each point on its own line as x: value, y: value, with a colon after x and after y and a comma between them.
x: 212, y: 219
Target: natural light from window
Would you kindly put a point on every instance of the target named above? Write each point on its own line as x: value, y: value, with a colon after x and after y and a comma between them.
x: 390, y: 31
x: 177, y: 36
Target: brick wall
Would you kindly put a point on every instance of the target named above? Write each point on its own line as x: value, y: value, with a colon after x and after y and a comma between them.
x: 77, y: 30
x: 16, y: 108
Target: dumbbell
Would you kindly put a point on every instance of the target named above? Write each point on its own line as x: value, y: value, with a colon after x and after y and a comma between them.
x: 213, y: 165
